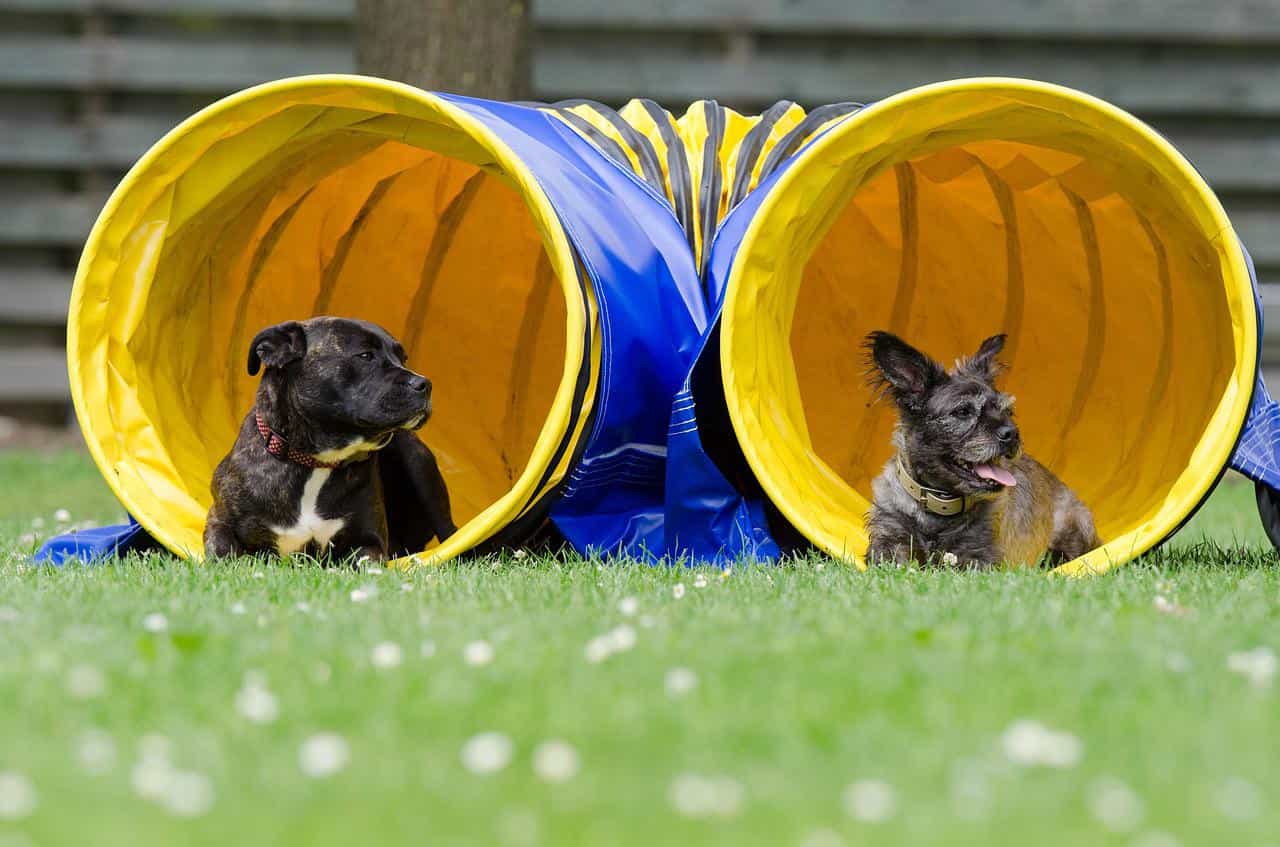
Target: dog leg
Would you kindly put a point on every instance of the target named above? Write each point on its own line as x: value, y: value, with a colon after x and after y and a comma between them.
x: 220, y: 541
x: 417, y: 500
x: 1073, y: 530
x: 885, y: 552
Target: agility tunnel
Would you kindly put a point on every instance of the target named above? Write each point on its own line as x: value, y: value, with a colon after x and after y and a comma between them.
x: 645, y: 328
x: 947, y: 214
x: 485, y: 236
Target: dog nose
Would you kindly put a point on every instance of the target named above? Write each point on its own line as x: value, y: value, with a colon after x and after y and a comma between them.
x: 420, y: 384
x: 1007, y: 433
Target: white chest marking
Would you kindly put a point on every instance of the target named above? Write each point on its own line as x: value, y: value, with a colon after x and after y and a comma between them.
x: 310, y: 526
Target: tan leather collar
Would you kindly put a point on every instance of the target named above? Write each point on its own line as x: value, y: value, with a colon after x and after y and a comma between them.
x: 934, y: 500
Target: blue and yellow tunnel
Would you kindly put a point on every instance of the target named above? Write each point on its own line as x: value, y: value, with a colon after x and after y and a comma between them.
x: 644, y: 328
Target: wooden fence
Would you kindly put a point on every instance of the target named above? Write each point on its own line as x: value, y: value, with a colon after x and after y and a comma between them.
x: 87, y: 85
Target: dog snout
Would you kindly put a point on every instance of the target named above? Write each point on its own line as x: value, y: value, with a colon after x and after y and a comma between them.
x: 1007, y: 434
x: 416, y: 382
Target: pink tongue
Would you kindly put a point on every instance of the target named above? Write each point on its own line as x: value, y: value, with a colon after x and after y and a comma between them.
x: 995, y: 474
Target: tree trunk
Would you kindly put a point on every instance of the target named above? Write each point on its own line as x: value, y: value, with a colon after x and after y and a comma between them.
x: 474, y: 47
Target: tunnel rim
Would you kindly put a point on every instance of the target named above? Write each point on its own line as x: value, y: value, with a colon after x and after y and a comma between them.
x: 92, y: 407
x: 1219, y: 435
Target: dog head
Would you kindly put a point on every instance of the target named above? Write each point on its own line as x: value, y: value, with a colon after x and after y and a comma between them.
x: 343, y: 377
x: 956, y: 428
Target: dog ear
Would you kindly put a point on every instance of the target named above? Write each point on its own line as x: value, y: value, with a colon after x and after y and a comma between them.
x: 983, y: 364
x: 277, y: 346
x: 902, y: 369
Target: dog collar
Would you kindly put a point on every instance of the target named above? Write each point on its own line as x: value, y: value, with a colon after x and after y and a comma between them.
x: 934, y: 500
x: 278, y: 447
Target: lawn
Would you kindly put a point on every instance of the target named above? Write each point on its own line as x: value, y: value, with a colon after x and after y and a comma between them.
x: 545, y: 702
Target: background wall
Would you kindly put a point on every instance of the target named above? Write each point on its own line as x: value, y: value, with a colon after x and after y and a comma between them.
x: 87, y: 85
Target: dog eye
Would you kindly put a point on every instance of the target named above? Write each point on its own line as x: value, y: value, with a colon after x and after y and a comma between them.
x: 962, y: 412
x: 367, y: 355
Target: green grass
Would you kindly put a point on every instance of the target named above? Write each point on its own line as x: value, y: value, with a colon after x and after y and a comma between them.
x: 810, y: 677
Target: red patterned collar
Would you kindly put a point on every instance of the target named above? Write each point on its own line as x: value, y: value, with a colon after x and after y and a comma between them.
x: 280, y: 448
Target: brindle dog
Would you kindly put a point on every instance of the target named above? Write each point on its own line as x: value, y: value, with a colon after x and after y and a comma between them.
x: 326, y: 461
x: 959, y: 482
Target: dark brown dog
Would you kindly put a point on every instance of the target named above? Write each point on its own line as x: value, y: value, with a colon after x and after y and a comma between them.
x: 959, y: 489
x: 326, y: 461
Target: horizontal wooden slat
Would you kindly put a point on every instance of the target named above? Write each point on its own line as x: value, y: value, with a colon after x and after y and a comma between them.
x: 56, y: 221
x: 165, y: 65
x: 1233, y: 162
x: 1193, y: 20
x: 1189, y: 20
x: 1169, y: 81
x: 312, y: 10
x: 1258, y: 227
x: 116, y: 142
x: 1164, y: 81
x: 34, y: 296
x: 33, y: 375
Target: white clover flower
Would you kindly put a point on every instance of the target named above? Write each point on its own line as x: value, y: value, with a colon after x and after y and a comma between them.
x: 1169, y: 607
x: 700, y: 581
x: 255, y: 703
x: 18, y: 798
x: 696, y: 796
x: 155, y: 622
x: 62, y: 516
x: 555, y: 761
x: 364, y: 593
x: 679, y: 681
x: 238, y: 609
x: 597, y: 650
x: 820, y: 567
x: 1257, y: 665
x: 1029, y: 743
x: 1115, y: 805
x: 151, y: 776
x: 628, y: 606
x: 323, y: 755
x: 406, y: 587
x: 519, y: 554
x: 677, y: 591
x: 259, y: 575
x: 1177, y: 662
x: 387, y: 655
x: 486, y: 753
x: 303, y: 606
x: 870, y: 801
x: 1239, y: 800
x: 622, y: 638
x: 477, y: 653
x: 188, y: 794
x: 85, y: 682
x: 950, y: 559
x: 427, y: 649
x: 96, y: 751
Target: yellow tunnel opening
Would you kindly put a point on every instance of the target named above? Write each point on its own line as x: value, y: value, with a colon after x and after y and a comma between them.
x: 958, y: 211
x: 327, y: 195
